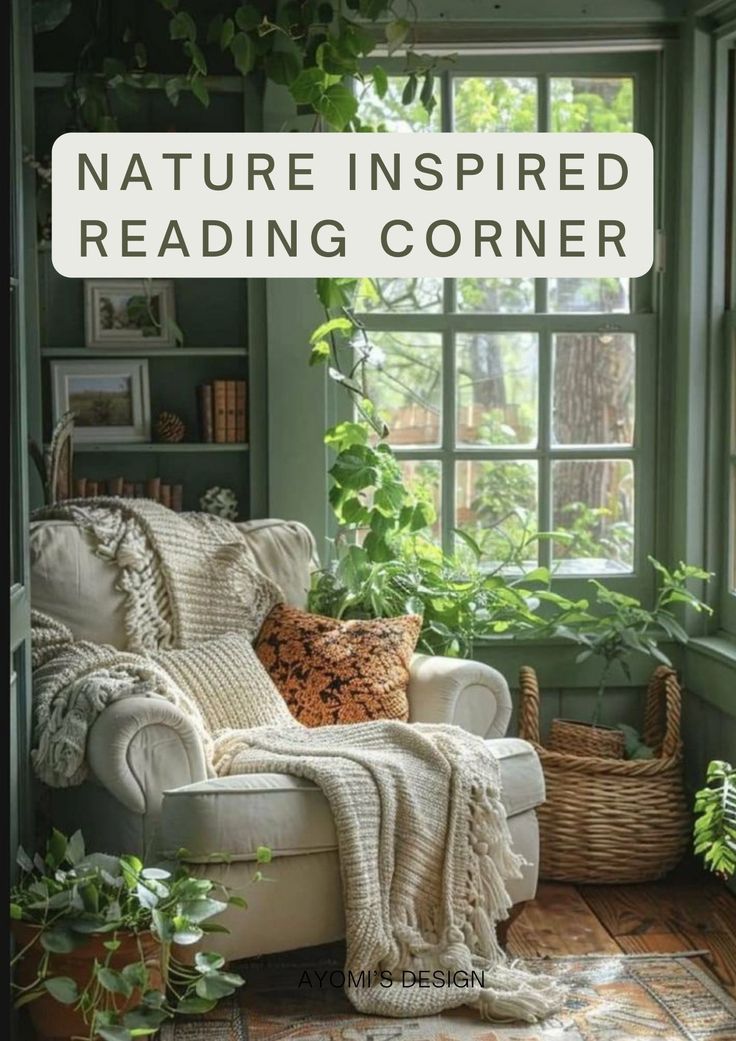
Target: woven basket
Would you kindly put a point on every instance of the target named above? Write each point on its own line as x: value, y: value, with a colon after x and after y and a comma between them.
x: 566, y: 735
x: 613, y: 820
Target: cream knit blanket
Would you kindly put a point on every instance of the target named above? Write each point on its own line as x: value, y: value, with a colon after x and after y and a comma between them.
x: 186, y: 577
x: 424, y: 855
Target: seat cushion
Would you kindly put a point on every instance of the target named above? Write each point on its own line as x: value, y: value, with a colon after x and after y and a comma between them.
x: 292, y: 816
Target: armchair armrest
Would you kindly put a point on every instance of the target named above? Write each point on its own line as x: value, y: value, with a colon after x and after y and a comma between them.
x: 467, y: 693
x: 139, y: 747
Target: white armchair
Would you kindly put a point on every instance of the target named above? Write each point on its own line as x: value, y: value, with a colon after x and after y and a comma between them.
x: 150, y: 789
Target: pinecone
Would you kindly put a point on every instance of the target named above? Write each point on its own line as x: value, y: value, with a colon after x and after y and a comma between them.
x: 170, y: 428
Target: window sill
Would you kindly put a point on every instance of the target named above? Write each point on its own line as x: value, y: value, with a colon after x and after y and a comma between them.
x: 710, y: 670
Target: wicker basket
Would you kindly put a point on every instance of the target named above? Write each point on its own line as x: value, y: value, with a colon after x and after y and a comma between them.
x: 566, y: 735
x: 613, y: 820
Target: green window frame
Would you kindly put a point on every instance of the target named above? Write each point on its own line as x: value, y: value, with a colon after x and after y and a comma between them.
x: 641, y: 321
x: 725, y: 184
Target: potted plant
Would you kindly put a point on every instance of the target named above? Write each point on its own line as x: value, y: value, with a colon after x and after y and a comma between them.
x: 715, y: 824
x: 99, y: 942
x: 619, y: 628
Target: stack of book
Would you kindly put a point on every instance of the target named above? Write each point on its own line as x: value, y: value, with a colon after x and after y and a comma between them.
x: 222, y: 412
x: 171, y: 495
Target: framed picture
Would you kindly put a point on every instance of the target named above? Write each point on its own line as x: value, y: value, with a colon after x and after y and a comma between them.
x: 130, y: 313
x: 109, y: 398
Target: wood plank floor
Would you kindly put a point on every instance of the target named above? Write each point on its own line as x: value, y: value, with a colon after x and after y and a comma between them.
x: 686, y: 913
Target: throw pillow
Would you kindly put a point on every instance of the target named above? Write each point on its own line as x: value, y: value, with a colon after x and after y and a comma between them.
x: 331, y: 671
x: 227, y: 682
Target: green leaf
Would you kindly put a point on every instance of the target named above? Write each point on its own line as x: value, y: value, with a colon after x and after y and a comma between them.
x: 396, y: 33
x: 283, y: 67
x: 263, y: 855
x: 320, y: 352
x: 62, y: 988
x: 16, y: 912
x: 380, y: 81
x: 195, y: 1006
x: 308, y: 86
x: 200, y: 910
x: 59, y: 940
x: 23, y: 861
x: 215, y: 986
x: 114, y: 1033
x: 338, y: 105
x: 332, y: 325
x: 243, y: 52
x: 173, y: 88
x: 183, y: 27
x: 198, y: 59
x: 56, y: 849
x: 248, y: 17
x: 114, y: 981
x: 410, y: 90
x: 200, y: 92
x: 75, y: 849
x: 187, y: 934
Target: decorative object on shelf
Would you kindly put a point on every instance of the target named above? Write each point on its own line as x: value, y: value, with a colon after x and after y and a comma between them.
x: 170, y: 428
x: 109, y: 397
x: 133, y: 313
x: 715, y: 824
x: 228, y: 410
x: 613, y: 820
x: 54, y: 463
x: 171, y: 495
x: 222, y: 502
x: 111, y: 964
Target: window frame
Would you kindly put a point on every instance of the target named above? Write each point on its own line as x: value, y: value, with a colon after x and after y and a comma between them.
x: 724, y: 247
x: 642, y: 320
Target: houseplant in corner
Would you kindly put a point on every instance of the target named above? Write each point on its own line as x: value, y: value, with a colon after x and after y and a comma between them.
x: 99, y: 941
x: 715, y: 823
x: 618, y: 627
x: 616, y: 820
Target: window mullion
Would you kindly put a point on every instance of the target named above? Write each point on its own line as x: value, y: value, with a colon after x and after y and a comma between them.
x: 544, y: 476
x: 448, y: 438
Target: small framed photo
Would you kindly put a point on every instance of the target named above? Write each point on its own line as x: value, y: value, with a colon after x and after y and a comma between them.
x: 130, y: 313
x: 109, y: 398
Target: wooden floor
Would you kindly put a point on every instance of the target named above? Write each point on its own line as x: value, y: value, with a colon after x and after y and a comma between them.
x: 687, y: 913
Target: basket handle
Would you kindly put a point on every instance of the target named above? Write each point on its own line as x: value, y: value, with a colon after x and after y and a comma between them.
x: 529, y: 705
x: 664, y: 699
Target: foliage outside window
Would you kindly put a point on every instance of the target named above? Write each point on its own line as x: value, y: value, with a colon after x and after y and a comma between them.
x: 511, y: 402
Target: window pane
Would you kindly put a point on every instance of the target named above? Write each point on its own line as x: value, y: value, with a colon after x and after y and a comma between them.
x: 423, y: 477
x: 494, y: 104
x: 496, y: 295
x: 588, y: 295
x: 593, y: 389
x: 594, y: 502
x: 405, y: 382
x: 390, y: 113
x: 496, y: 503
x: 592, y: 105
x: 399, y: 295
x: 497, y: 377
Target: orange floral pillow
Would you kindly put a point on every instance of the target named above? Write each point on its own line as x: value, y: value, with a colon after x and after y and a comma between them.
x: 330, y: 671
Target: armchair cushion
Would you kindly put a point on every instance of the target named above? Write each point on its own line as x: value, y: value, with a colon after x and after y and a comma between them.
x: 292, y: 816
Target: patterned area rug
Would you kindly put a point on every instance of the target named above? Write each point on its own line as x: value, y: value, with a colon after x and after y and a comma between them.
x: 299, y: 997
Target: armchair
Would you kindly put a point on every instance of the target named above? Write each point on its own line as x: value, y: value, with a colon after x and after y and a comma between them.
x: 149, y: 789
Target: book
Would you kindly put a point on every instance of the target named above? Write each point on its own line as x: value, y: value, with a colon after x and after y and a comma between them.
x: 115, y: 486
x: 241, y: 426
x: 230, y: 430
x: 128, y: 489
x: 177, y: 497
x: 92, y: 489
x: 153, y: 488
x: 219, y: 410
x: 206, y: 417
x: 80, y: 487
x: 165, y: 495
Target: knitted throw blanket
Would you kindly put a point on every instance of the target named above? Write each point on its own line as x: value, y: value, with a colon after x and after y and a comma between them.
x: 424, y: 854
x: 73, y: 681
x: 186, y: 577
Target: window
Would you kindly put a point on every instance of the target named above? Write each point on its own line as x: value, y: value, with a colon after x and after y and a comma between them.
x: 525, y: 405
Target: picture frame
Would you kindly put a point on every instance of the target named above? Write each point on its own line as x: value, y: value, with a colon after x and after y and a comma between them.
x: 129, y: 313
x: 109, y: 398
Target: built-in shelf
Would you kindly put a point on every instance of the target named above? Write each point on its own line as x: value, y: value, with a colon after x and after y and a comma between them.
x: 155, y: 448
x: 152, y: 352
